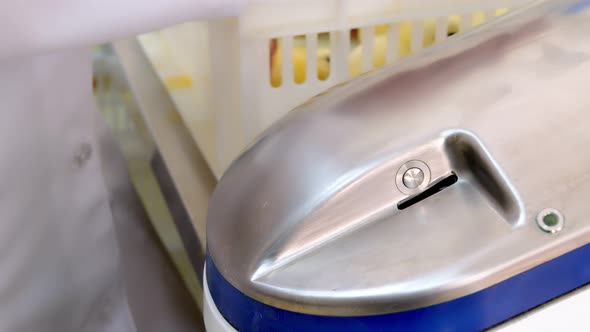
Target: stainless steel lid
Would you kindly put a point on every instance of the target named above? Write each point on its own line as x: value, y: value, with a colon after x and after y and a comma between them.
x: 327, y: 212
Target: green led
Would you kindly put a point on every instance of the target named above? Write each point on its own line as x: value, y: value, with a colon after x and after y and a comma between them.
x: 551, y: 219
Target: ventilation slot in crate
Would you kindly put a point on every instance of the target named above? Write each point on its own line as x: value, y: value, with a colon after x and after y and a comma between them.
x: 369, y: 47
x: 309, y: 60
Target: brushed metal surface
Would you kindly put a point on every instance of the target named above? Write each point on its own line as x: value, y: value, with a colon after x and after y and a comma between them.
x: 307, y: 218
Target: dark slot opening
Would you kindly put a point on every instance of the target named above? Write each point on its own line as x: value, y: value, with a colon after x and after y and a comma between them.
x: 435, y: 188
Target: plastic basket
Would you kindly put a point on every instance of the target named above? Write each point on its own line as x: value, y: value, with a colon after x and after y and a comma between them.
x: 253, y: 69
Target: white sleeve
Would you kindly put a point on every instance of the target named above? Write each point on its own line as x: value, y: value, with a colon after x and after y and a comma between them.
x: 33, y: 26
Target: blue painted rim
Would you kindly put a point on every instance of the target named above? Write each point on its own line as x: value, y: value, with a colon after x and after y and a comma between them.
x: 478, y: 311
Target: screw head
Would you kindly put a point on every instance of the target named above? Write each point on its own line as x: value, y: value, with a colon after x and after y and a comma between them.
x: 413, y: 178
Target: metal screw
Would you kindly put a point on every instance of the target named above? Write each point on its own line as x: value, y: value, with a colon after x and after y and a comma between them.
x: 550, y: 220
x: 413, y: 178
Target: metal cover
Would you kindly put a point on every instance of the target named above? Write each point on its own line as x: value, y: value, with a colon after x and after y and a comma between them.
x: 312, y: 217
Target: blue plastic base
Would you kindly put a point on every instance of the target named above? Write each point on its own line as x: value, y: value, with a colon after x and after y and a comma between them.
x: 474, y: 312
